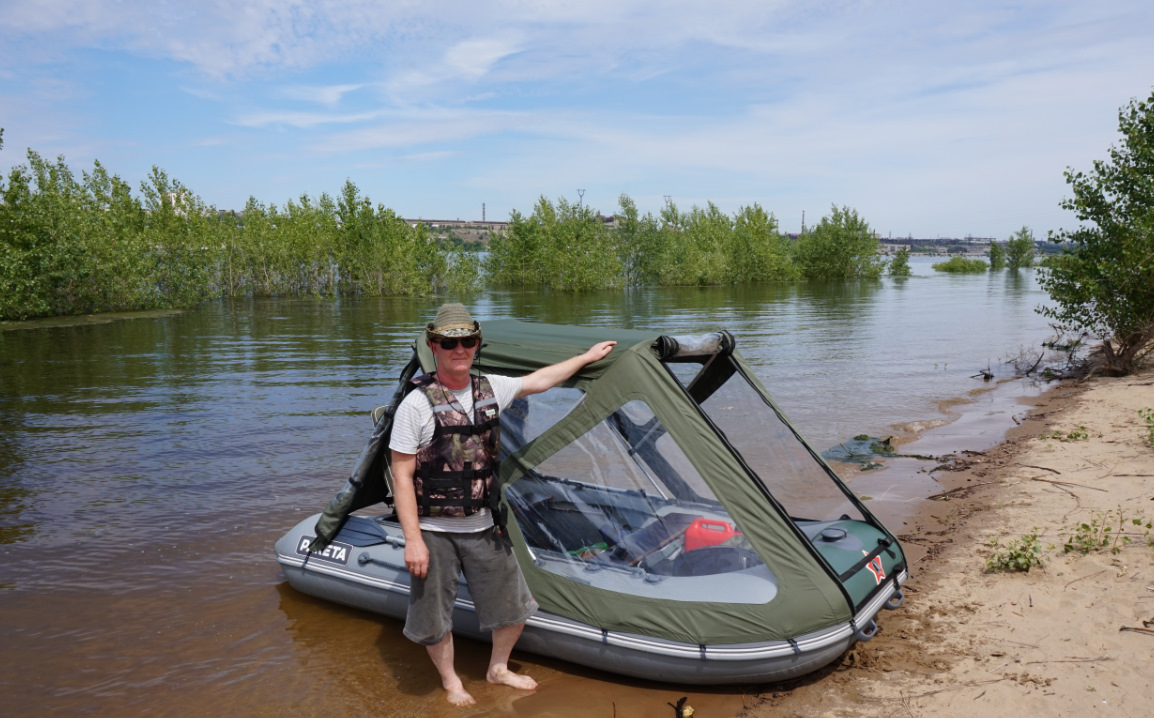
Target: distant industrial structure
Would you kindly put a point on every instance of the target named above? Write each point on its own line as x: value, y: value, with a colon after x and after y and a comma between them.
x: 471, y: 230
x: 460, y: 223
x: 941, y: 246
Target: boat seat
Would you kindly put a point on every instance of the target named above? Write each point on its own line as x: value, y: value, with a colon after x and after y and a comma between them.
x: 712, y: 560
x: 655, y: 535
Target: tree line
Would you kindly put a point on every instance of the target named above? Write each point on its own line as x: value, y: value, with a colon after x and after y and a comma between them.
x: 568, y: 246
x: 77, y: 245
x: 72, y: 245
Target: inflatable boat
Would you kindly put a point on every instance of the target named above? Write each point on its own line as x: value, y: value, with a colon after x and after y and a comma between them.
x: 669, y: 520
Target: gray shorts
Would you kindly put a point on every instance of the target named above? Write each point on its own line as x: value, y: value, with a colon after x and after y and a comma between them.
x: 499, y: 593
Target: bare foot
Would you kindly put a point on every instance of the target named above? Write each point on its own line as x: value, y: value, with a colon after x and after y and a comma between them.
x: 459, y: 697
x: 503, y: 676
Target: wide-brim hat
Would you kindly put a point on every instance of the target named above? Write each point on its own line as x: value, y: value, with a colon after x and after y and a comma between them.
x: 453, y: 321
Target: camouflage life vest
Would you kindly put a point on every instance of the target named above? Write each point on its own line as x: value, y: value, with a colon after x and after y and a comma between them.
x: 454, y: 473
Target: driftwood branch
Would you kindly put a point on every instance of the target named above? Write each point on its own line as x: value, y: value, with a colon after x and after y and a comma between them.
x: 957, y: 686
x: 1067, y: 483
x: 1072, y: 660
x: 947, y: 494
x: 1031, y: 369
x: 1085, y: 577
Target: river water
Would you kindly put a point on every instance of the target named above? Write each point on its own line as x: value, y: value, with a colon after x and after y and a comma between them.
x: 147, y: 465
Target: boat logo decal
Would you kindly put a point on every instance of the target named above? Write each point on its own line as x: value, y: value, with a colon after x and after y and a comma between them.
x: 876, y: 568
x: 335, y: 552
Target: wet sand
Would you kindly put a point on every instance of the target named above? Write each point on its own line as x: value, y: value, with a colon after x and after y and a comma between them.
x: 1047, y: 642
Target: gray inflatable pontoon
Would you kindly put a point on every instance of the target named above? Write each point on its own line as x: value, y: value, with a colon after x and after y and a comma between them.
x: 365, y: 568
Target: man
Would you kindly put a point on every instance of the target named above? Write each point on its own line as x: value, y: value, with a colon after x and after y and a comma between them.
x: 445, y: 468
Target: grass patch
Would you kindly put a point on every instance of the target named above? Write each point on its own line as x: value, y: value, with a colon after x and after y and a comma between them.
x: 1078, y: 434
x: 1108, y: 531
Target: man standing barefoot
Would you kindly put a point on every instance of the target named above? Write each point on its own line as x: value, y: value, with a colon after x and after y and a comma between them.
x: 444, y: 463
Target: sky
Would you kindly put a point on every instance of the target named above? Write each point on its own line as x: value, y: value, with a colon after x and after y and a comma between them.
x: 931, y: 119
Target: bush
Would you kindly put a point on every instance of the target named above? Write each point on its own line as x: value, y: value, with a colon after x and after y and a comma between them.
x: 961, y: 265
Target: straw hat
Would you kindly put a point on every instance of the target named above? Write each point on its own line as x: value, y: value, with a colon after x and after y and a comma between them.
x: 452, y: 321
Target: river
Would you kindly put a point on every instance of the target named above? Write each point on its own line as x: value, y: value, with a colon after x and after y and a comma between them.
x: 148, y: 464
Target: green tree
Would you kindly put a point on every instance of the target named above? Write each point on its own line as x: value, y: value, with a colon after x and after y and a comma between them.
x: 997, y: 256
x: 900, y: 264
x: 704, y: 247
x: 562, y: 246
x: 758, y: 252
x: 1020, y: 250
x: 1104, y: 283
x: 841, y: 246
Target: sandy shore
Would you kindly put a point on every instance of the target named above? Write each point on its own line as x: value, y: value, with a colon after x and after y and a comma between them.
x: 1044, y: 643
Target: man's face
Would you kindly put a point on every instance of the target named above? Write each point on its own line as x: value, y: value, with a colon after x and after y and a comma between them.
x: 458, y: 358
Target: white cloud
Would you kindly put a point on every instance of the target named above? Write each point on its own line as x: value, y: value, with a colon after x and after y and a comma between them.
x: 330, y: 95
x: 474, y: 58
x: 303, y: 120
x: 417, y: 129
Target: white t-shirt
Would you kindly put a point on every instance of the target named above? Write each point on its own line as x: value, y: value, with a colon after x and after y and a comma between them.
x: 413, y: 429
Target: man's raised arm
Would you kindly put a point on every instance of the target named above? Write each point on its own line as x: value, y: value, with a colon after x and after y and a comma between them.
x: 550, y: 376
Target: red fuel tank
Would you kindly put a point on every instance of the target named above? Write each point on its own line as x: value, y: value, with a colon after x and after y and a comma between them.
x: 708, y: 532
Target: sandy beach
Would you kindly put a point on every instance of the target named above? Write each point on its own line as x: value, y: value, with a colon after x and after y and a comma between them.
x: 1053, y: 641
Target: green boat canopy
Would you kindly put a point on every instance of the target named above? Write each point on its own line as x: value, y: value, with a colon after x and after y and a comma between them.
x: 661, y: 492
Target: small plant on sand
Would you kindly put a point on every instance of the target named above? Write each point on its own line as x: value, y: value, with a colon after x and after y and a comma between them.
x: 882, y: 447
x: 1018, y: 555
x: 1075, y: 435
x: 1108, y: 531
x: 1147, y: 415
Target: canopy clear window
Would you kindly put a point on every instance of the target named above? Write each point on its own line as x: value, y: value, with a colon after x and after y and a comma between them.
x: 623, y: 509
x: 769, y: 445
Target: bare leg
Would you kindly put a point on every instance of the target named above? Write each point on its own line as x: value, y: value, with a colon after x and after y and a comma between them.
x: 442, y: 655
x: 503, y: 641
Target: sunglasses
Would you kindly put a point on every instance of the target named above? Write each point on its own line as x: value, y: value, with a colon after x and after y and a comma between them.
x: 451, y: 344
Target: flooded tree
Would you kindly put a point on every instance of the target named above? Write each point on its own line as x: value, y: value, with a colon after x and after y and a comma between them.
x: 1020, y: 250
x: 997, y: 256
x: 841, y: 246
x: 900, y: 264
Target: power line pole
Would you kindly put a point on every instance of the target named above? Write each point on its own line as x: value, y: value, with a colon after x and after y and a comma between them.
x: 580, y: 196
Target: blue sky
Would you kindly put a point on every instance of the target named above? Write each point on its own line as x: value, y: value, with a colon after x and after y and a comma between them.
x: 928, y: 118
